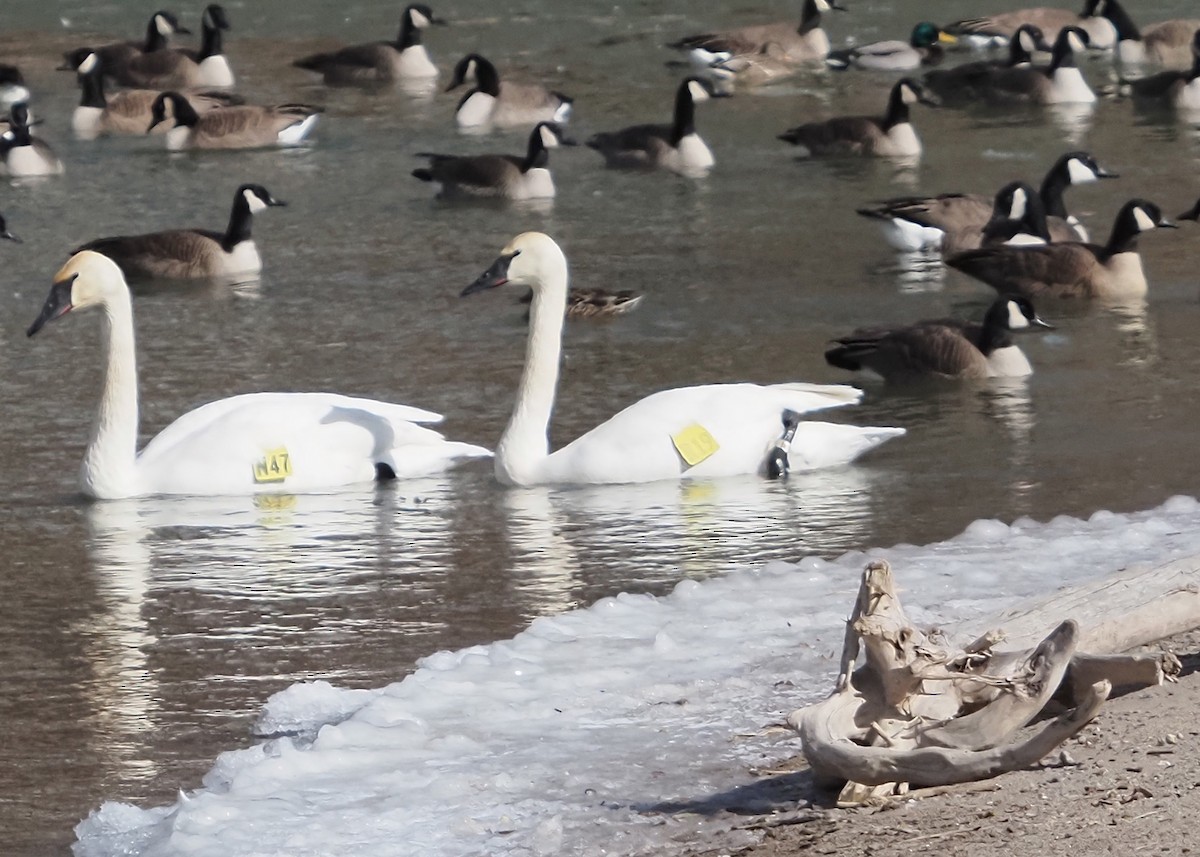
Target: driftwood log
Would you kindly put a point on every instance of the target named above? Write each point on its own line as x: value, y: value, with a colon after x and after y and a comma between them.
x: 919, y: 708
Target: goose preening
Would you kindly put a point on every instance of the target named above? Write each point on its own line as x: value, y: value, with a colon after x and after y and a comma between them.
x: 688, y: 432
x: 211, y: 59
x: 505, y: 176
x: 24, y: 155
x: 954, y: 222
x: 1167, y: 43
x: 493, y: 103
x: 1071, y: 269
x: 1179, y: 89
x: 924, y: 47
x: 116, y: 56
x: 942, y: 348
x: 889, y: 136
x: 289, y: 442
x: 675, y: 147
x: 965, y: 84
x: 375, y: 62
x: 795, y: 44
x: 12, y: 87
x: 1061, y: 82
x: 990, y: 30
x: 245, y: 126
x: 128, y: 111
x: 193, y: 253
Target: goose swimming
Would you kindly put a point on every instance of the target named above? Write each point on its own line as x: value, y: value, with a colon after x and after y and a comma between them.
x: 373, y: 62
x: 244, y: 126
x: 252, y: 443
x: 889, y: 136
x: 506, y: 176
x: 22, y: 154
x: 494, y: 103
x: 683, y: 433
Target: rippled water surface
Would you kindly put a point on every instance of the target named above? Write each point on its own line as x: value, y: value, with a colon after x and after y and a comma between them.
x: 138, y: 638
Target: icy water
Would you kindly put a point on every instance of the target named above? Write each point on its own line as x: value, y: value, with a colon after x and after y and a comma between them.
x: 138, y: 639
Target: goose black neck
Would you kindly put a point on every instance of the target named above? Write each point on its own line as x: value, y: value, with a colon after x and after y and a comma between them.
x: 185, y: 114
x: 1063, y: 56
x: 213, y: 45
x: 1124, y: 25
x: 685, y: 114
x: 995, y: 332
x: 1053, y: 187
x: 410, y: 33
x: 155, y: 41
x: 240, y: 219
x: 487, y: 79
x: 897, y: 111
x: 91, y: 86
x: 536, y: 155
x: 1124, y: 236
x: 1194, y: 74
x: 1016, y: 51
x: 810, y: 18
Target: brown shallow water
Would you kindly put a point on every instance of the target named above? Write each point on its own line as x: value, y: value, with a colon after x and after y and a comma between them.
x: 138, y: 639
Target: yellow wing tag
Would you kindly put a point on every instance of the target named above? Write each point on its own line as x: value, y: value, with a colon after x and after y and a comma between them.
x: 694, y: 444
x: 275, y: 466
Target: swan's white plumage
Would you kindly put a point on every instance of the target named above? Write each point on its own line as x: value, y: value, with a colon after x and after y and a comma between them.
x: 637, y: 444
x: 330, y: 440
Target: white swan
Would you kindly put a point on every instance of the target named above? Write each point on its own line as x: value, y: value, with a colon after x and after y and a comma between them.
x: 688, y: 432
x: 257, y: 442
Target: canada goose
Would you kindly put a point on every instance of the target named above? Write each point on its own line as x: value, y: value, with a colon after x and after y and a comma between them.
x: 675, y: 147
x: 924, y: 47
x: 507, y: 176
x: 942, y: 348
x: 688, y: 432
x: 891, y: 135
x: 242, y: 127
x: 12, y: 87
x: 595, y: 302
x: 963, y: 84
x: 211, y: 60
x: 1167, y: 43
x: 127, y: 111
x: 257, y: 442
x: 402, y: 59
x: 1070, y: 269
x: 758, y: 69
x: 999, y: 29
x: 1018, y: 218
x: 23, y: 154
x: 4, y: 233
x: 954, y: 222
x: 503, y: 104
x: 193, y: 253
x: 797, y: 44
x: 116, y: 57
x: 1061, y: 82
x: 1180, y: 89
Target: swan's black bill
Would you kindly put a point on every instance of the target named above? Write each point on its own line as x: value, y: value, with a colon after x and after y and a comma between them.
x: 58, y: 304
x: 496, y: 275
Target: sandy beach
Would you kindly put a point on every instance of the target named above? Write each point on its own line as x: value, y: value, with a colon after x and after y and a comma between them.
x: 1129, y: 783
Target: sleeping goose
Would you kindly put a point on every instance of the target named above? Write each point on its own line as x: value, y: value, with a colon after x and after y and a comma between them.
x: 990, y: 30
x: 683, y: 433
x: 493, y: 103
x: 961, y: 85
x: 403, y: 59
x: 23, y: 154
x: 116, y: 55
x: 953, y: 222
x: 507, y: 176
x: 252, y: 443
x: 795, y: 44
x: 128, y: 111
x: 1179, y: 89
x: 675, y: 147
x: 244, y: 126
x: 1070, y: 269
x: 1061, y: 82
x: 211, y: 59
x: 942, y: 348
x: 891, y: 135
x: 12, y: 87
x: 924, y: 47
x: 193, y: 253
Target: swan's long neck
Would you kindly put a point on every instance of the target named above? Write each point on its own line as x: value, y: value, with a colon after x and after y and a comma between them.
x: 525, y: 444
x: 109, y: 468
